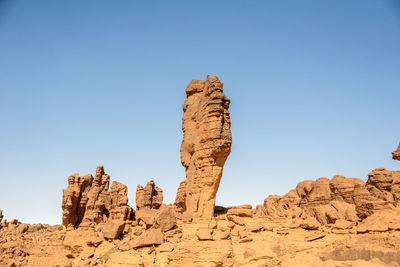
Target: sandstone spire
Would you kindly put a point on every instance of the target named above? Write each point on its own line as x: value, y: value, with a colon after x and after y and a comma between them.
x: 206, y: 145
x: 396, y: 153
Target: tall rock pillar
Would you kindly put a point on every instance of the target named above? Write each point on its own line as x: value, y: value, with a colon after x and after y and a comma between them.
x: 206, y: 144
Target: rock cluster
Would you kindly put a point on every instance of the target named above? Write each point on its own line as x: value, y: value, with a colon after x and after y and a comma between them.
x: 205, y: 147
x: 327, y: 200
x: 87, y: 201
x: 18, y: 243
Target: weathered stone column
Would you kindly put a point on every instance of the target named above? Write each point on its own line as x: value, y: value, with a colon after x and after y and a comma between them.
x: 206, y: 145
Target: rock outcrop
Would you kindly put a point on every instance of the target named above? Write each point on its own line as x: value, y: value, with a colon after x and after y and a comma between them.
x: 339, y: 198
x: 149, y: 197
x: 112, y: 229
x: 180, y: 200
x: 396, y: 153
x: 205, y: 147
x: 87, y: 201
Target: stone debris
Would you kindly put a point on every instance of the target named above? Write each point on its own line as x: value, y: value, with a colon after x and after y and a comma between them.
x: 342, y: 224
x: 236, y: 220
x: 255, y: 227
x: 204, y: 234
x: 112, y: 229
x: 149, y: 238
x: 165, y: 219
x: 381, y: 221
x: 310, y: 224
x: 314, y: 237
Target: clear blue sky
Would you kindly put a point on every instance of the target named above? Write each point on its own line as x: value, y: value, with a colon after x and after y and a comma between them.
x: 314, y: 85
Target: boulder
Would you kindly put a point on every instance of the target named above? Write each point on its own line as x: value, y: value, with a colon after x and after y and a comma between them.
x: 146, y: 217
x: 255, y: 227
x: 310, y: 224
x: 221, y: 234
x: 165, y: 219
x: 342, y: 224
x: 236, y: 220
x: 381, y: 221
x: 149, y: 237
x: 204, y: 234
x: 113, y: 229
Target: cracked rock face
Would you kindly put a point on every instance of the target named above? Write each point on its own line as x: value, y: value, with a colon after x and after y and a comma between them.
x: 396, y: 153
x: 88, y: 201
x: 206, y: 145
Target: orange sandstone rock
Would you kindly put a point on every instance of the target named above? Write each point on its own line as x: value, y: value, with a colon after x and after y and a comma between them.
x: 87, y: 201
x: 339, y: 198
x: 150, y: 197
x: 206, y: 145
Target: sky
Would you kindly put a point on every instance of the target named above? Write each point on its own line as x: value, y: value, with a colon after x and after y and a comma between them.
x: 314, y: 89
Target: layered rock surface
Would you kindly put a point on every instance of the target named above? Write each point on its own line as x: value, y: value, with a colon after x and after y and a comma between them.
x: 327, y: 200
x: 205, y: 147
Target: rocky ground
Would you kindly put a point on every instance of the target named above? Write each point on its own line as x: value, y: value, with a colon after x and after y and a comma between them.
x: 226, y: 240
x: 339, y: 222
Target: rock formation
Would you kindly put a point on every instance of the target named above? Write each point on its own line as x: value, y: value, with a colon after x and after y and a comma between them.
x: 396, y: 153
x: 75, y: 199
x: 150, y: 197
x: 87, y: 201
x: 180, y: 200
x: 339, y: 198
x: 328, y: 222
x: 205, y: 147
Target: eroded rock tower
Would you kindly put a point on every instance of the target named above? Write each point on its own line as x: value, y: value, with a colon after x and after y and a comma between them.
x: 206, y: 145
